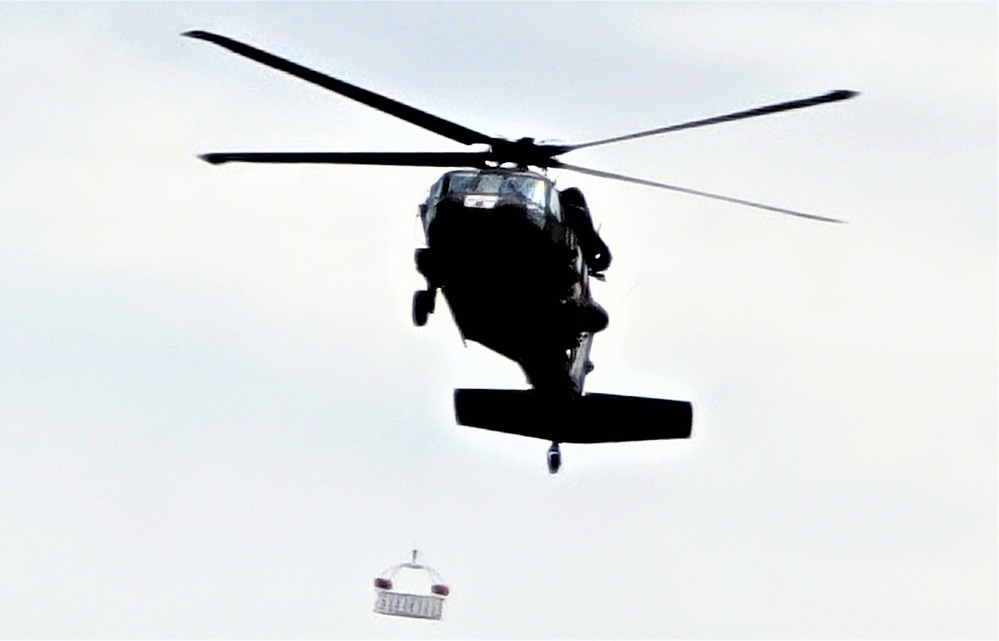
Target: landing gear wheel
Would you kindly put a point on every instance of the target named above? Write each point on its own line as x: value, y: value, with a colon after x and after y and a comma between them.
x: 423, y: 306
x: 554, y: 458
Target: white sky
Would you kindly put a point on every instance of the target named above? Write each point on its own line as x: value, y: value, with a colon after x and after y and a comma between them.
x: 216, y: 419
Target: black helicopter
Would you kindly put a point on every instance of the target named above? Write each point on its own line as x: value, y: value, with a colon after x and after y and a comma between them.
x: 513, y: 256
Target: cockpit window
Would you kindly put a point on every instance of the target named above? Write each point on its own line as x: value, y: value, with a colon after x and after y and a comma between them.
x: 528, y: 189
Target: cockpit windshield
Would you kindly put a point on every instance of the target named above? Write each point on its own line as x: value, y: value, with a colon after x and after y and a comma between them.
x: 530, y: 190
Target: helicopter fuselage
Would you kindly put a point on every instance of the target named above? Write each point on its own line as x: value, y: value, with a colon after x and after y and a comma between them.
x: 513, y: 272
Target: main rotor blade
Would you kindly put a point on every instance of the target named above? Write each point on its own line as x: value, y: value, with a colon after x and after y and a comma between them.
x: 651, y: 183
x: 412, y: 159
x: 412, y: 115
x: 832, y: 96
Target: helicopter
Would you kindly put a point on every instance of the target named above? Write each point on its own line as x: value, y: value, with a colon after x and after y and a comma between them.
x: 513, y: 256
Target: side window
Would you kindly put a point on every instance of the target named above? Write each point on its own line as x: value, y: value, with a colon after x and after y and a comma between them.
x: 554, y: 204
x: 427, y: 208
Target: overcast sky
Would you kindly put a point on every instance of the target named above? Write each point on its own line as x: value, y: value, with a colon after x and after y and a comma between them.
x: 217, y: 420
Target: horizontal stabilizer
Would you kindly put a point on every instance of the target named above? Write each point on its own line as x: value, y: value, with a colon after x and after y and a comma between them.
x: 592, y: 418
